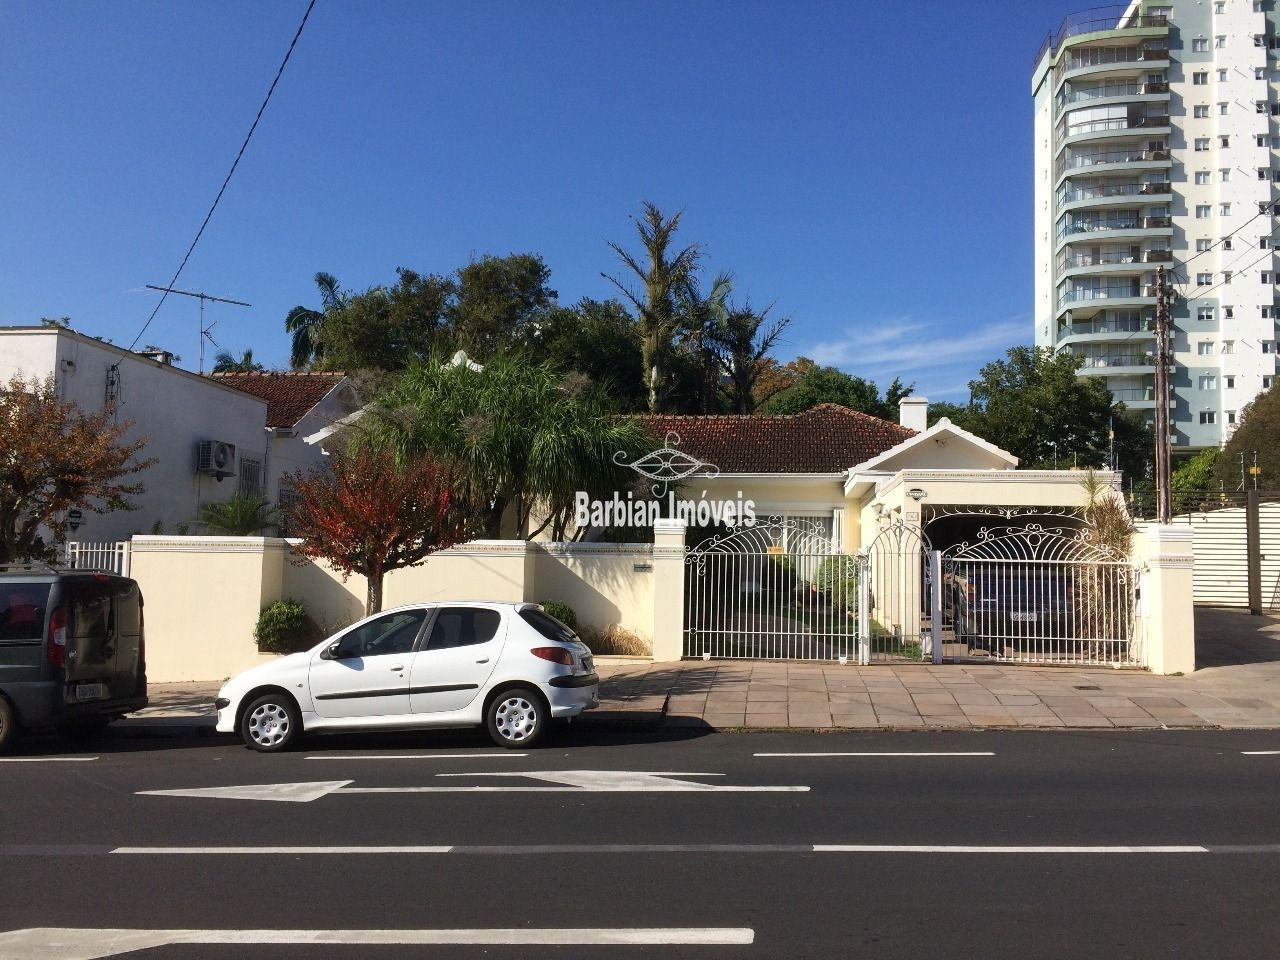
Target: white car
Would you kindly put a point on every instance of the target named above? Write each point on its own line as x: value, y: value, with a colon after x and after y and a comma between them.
x: 508, y: 666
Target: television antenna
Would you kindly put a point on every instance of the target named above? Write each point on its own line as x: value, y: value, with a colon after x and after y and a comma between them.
x: 205, y: 333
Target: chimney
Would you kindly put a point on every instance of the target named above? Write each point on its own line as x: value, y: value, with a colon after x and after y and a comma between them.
x: 913, y: 413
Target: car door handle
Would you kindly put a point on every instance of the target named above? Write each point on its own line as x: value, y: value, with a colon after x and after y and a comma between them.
x: 483, y: 660
x: 397, y: 668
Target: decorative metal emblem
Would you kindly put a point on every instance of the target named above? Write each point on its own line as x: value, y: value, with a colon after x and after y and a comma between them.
x: 667, y: 465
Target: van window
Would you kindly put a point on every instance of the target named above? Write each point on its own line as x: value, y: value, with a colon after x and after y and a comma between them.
x: 22, y: 609
x: 128, y: 620
x: 91, y: 612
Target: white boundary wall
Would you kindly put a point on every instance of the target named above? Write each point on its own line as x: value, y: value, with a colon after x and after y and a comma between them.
x: 1221, y: 571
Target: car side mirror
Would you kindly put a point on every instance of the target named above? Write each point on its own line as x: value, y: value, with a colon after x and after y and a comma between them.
x: 331, y: 652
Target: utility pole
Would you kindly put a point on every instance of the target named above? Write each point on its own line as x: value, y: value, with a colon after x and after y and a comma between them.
x: 204, y: 331
x: 1164, y: 495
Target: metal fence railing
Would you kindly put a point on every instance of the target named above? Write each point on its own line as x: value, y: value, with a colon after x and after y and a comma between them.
x: 112, y: 557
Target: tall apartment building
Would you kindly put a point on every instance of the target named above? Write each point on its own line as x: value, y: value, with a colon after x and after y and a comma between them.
x: 1157, y: 136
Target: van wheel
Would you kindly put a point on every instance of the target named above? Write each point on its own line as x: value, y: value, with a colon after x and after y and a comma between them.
x: 8, y: 725
x: 270, y: 724
x: 516, y: 718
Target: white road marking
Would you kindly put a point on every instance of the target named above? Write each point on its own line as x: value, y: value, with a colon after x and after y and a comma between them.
x: 949, y: 848
x: 46, y: 759
x: 975, y: 753
x: 55, y: 943
x: 420, y: 756
x: 1260, y: 753
x: 286, y: 851
x: 566, y: 781
x: 287, y: 792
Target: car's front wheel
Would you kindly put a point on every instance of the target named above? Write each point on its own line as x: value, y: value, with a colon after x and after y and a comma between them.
x: 270, y: 723
x: 516, y: 718
x: 8, y: 725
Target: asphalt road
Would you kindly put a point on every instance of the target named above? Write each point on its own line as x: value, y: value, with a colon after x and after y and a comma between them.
x: 1021, y: 844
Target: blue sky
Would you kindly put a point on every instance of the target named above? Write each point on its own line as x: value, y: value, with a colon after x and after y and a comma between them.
x: 866, y: 167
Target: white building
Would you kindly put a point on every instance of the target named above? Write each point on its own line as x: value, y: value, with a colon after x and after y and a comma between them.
x: 183, y: 415
x: 1157, y: 126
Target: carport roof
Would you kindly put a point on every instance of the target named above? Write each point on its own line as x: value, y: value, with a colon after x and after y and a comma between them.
x: 827, y: 438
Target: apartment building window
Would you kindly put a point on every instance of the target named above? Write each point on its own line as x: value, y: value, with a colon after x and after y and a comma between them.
x: 1220, y: 7
x: 1224, y: 209
x: 1268, y: 312
x: 1267, y: 382
x: 1200, y: 45
x: 1268, y: 346
x: 1229, y: 383
x: 1226, y: 243
x: 1203, y: 245
x: 1204, y: 348
x: 1205, y: 314
x: 1264, y: 277
x: 1208, y: 417
x: 1260, y: 106
x: 1200, y: 111
x: 1275, y: 175
x: 1208, y: 382
x: 1228, y: 346
x: 1275, y: 141
x: 1219, y: 42
x: 1222, y: 76
x: 1225, y: 175
x: 1204, y: 279
x: 1200, y: 78
x: 1226, y: 276
x: 1224, y: 140
x: 1202, y: 144
x: 1228, y: 313
x: 1275, y: 109
x: 1264, y: 243
x: 1222, y: 109
x: 1260, y: 140
x: 1203, y: 210
x: 1202, y: 178
x: 1259, y: 73
x: 1264, y: 173
x: 1231, y: 417
x: 1264, y: 207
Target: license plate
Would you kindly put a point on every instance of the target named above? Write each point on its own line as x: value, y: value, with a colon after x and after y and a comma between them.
x: 1024, y: 617
x: 91, y: 691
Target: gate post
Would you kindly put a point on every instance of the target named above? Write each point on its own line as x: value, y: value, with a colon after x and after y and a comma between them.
x: 935, y: 604
x: 1168, y: 615
x: 668, y: 589
x: 864, y: 607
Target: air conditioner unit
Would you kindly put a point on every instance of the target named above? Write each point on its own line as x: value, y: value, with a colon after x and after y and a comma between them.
x: 216, y: 458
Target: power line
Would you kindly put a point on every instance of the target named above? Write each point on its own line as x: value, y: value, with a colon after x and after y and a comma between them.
x: 208, y: 216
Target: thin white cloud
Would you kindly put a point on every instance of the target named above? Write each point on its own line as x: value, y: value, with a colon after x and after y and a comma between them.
x: 910, y: 345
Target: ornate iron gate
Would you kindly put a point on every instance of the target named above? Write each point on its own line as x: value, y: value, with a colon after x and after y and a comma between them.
x: 898, y: 589
x: 776, y: 590
x: 1038, y: 594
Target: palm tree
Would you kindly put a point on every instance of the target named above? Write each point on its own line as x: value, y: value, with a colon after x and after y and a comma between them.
x: 240, y: 515
x: 307, y: 325
x: 662, y: 276
x: 701, y: 316
x: 224, y: 362
x: 742, y: 351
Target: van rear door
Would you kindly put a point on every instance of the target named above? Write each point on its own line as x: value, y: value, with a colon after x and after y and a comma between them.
x: 92, y: 641
x: 23, y: 608
x: 129, y: 674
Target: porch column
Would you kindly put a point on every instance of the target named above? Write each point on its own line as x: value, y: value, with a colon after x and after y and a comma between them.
x: 668, y: 589
x: 1167, y: 607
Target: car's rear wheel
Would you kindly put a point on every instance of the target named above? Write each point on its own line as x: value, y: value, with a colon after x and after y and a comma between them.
x: 8, y: 725
x: 517, y: 718
x: 270, y: 724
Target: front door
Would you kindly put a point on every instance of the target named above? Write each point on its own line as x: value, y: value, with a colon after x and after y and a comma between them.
x: 368, y: 675
x: 457, y: 658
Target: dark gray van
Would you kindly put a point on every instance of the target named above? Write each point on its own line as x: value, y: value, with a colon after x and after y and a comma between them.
x: 72, y: 654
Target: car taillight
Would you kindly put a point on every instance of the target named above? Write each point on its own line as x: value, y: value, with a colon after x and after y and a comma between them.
x: 142, y: 631
x: 554, y: 654
x: 57, y: 645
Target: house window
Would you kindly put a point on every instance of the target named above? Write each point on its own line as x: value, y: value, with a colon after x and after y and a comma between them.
x: 1205, y: 348
x: 1200, y: 78
x: 1229, y: 383
x: 1205, y: 314
x: 1203, y: 245
x: 1228, y: 346
x: 1201, y: 111
x: 1200, y: 45
x: 1204, y: 279
x: 250, y: 476
x: 1203, y: 210
x: 1208, y: 417
x: 1208, y: 382
x: 1202, y: 178
x: 1202, y: 144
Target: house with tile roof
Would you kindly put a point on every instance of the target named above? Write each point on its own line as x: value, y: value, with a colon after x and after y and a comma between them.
x: 298, y: 404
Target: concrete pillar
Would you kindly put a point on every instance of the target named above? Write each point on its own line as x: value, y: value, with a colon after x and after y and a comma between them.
x: 668, y: 589
x: 1167, y: 606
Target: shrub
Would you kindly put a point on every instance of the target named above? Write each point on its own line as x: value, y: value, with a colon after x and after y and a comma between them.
x: 285, y: 627
x: 562, y: 612
x: 837, y: 576
x: 615, y: 641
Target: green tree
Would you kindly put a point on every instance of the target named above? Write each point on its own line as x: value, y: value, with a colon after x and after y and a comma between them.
x: 742, y: 345
x: 55, y: 458
x: 525, y: 436
x: 1199, y: 473
x: 500, y: 303
x: 1258, y: 433
x: 60, y: 323
x: 240, y: 515
x: 695, y: 368
x: 600, y: 340
x: 386, y: 328
x: 663, y: 275
x: 828, y: 385
x: 307, y: 325
x: 224, y: 362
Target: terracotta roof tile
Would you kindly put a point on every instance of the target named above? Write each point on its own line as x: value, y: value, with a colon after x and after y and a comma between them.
x: 289, y: 395
x: 827, y: 438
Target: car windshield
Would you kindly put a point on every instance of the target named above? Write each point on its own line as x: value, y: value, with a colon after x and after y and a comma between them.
x: 22, y: 608
x: 548, y: 626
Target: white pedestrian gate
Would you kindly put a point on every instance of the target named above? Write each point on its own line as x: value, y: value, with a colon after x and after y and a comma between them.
x: 84, y: 555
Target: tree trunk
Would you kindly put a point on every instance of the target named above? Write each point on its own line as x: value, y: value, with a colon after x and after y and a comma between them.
x: 373, y: 598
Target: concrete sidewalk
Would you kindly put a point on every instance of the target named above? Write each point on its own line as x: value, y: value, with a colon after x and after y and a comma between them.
x: 1241, y: 688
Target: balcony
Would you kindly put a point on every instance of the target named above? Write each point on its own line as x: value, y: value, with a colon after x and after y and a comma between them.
x: 1156, y: 223
x: 1158, y: 256
x: 1107, y: 258
x: 1121, y: 291
x: 1103, y: 327
x: 1135, y: 121
x: 1130, y: 394
x: 1092, y: 225
x: 1101, y: 191
x: 1113, y: 360
x: 1107, y: 157
x: 1097, y: 19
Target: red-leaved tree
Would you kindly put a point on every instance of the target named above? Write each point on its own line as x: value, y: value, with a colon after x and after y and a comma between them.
x: 55, y: 457
x: 368, y: 514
